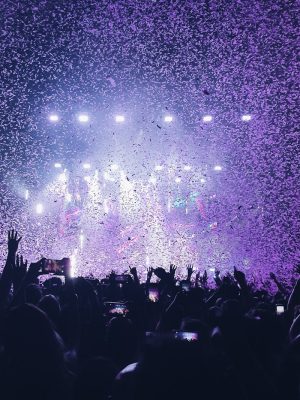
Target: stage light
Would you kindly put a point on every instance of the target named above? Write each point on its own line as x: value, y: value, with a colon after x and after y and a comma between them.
x: 26, y: 194
x: 202, y: 180
x: 246, y: 118
x: 119, y: 118
x: 83, y: 118
x: 68, y: 197
x: 57, y: 165
x: 87, y: 178
x: 217, y: 168
x: 86, y: 166
x: 39, y: 208
x: 53, y: 118
x: 168, y: 118
x: 177, y: 180
x: 207, y: 118
x: 114, y: 167
x: 187, y: 167
x: 159, y: 168
x: 62, y: 177
x: 152, y: 180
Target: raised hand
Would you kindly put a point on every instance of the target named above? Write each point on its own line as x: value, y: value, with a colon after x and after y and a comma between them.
x: 19, y: 271
x: 150, y: 271
x: 239, y: 276
x: 34, y: 269
x: 133, y: 271
x: 172, y: 270
x: 13, y: 241
x: 190, y: 270
x: 204, y: 278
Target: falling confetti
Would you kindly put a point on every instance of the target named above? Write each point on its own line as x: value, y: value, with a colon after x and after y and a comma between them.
x: 103, y: 104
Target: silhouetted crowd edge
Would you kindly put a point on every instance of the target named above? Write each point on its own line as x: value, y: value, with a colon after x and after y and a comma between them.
x: 120, y: 339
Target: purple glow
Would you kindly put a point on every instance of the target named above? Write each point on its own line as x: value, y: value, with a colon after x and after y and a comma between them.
x: 154, y: 87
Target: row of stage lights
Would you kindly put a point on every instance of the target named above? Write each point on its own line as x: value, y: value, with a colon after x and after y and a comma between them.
x: 84, y: 118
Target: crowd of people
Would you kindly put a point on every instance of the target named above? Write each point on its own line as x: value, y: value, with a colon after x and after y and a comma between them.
x: 122, y: 339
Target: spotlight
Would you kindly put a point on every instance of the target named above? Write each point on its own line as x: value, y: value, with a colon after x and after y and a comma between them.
x: 86, y: 166
x: 152, y: 180
x: 246, y: 118
x: 68, y: 197
x: 39, y: 208
x: 62, y: 177
x: 26, y: 194
x: 177, y: 180
x: 207, y: 118
x: 83, y: 118
x: 187, y: 167
x: 53, y: 118
x: 159, y: 168
x: 217, y: 168
x: 114, y: 167
x: 119, y: 118
x: 202, y: 180
x: 57, y: 165
x: 168, y: 118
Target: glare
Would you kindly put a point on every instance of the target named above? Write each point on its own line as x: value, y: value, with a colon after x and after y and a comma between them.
x: 120, y: 118
x: 187, y: 167
x: 81, y: 239
x: 168, y: 118
x: 62, y: 177
x: 177, y: 180
x: 202, y: 180
x: 68, y: 197
x: 39, y: 208
x: 73, y: 260
x: 26, y: 194
x: 114, y: 167
x: 87, y: 178
x: 57, y: 165
x: 207, y: 118
x: 152, y: 180
x: 83, y: 118
x: 53, y: 118
x: 246, y: 118
x: 217, y: 168
x: 86, y: 166
x: 159, y: 168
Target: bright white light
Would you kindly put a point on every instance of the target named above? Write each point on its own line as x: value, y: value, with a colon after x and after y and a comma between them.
x: 217, y: 168
x: 81, y: 239
x: 159, y: 168
x: 212, y: 269
x: 202, y: 180
x: 119, y: 118
x: 39, y: 208
x: 86, y: 166
x: 177, y: 180
x: 207, y: 118
x: 168, y: 118
x: 62, y: 177
x: 73, y: 260
x: 26, y: 194
x: 246, y: 118
x: 53, y: 118
x: 68, y: 197
x: 114, y: 167
x: 187, y: 167
x: 83, y: 118
x: 87, y: 178
x: 57, y: 165
x: 152, y: 180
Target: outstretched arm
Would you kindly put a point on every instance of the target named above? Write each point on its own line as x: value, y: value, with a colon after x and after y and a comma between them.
x: 7, y: 273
